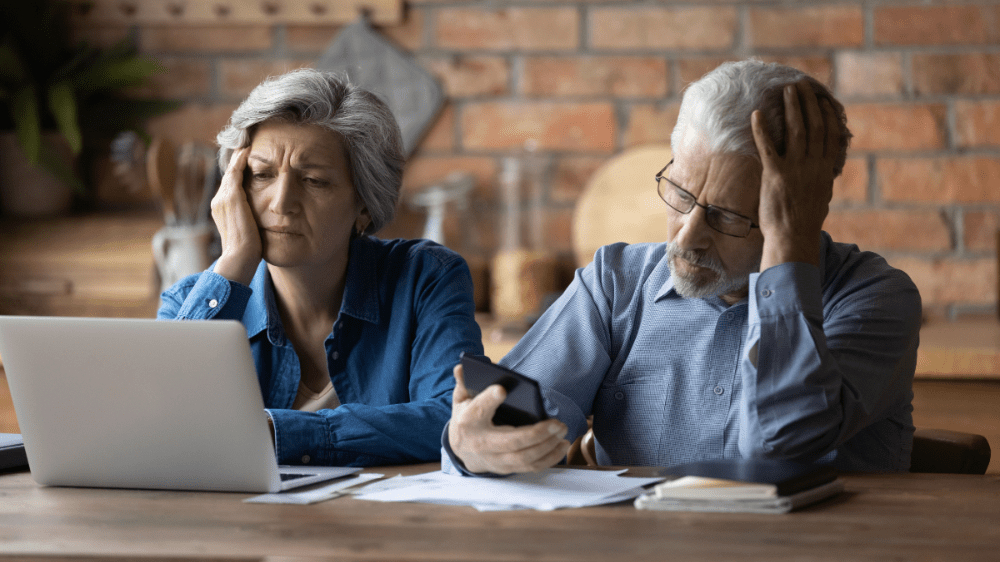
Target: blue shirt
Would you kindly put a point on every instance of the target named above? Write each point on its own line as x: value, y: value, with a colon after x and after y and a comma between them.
x: 407, y: 315
x: 815, y: 365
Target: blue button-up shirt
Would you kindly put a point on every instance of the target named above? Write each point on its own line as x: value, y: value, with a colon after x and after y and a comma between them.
x: 407, y: 315
x: 816, y: 364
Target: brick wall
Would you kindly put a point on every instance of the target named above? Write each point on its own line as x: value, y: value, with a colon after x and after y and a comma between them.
x: 586, y: 79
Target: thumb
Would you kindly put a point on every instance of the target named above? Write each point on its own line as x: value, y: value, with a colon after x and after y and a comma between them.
x: 461, y: 393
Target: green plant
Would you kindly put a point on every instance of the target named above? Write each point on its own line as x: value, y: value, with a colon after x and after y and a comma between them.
x: 47, y: 83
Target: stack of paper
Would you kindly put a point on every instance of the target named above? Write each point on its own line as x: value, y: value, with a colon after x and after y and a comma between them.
x: 554, y: 488
x: 755, y: 486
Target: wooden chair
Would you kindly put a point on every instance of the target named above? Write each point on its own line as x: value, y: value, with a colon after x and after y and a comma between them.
x: 934, y: 450
x: 946, y: 451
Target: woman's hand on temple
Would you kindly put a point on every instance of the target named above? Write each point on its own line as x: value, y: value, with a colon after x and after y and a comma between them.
x: 241, y: 244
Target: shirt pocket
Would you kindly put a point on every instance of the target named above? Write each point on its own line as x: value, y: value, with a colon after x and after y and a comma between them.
x: 629, y: 416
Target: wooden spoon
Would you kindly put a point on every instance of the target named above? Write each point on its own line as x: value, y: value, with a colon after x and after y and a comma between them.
x: 161, y: 170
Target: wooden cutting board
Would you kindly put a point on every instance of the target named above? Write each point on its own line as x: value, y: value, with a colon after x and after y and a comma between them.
x: 372, y: 62
x: 620, y: 204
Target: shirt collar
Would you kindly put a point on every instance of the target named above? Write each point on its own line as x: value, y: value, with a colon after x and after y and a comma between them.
x: 361, y: 297
x: 667, y: 289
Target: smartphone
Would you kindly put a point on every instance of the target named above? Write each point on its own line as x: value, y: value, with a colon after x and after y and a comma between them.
x: 523, y: 405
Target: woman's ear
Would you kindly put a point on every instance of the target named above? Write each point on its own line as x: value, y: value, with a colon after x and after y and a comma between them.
x: 363, y: 221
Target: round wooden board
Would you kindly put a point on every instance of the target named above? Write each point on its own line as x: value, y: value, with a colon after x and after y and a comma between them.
x: 620, y: 204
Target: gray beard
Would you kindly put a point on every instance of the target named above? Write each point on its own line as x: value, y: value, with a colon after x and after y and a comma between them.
x: 723, y: 284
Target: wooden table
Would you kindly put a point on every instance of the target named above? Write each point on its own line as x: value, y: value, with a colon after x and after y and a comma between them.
x: 879, y: 517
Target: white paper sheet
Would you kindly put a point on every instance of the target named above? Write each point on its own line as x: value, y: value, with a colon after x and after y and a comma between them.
x: 328, y: 492
x: 554, y: 488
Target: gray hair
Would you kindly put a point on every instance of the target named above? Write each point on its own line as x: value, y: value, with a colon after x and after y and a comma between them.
x: 719, y: 106
x: 369, y: 131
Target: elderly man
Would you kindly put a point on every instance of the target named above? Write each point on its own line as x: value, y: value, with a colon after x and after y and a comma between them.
x: 748, y: 333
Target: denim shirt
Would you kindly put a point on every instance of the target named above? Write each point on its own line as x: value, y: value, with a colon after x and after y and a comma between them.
x: 407, y: 315
x: 815, y: 365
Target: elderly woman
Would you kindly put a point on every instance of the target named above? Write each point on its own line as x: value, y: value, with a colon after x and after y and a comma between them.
x: 353, y: 337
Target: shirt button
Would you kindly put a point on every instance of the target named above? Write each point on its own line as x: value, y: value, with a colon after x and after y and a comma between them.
x: 213, y: 303
x: 305, y: 459
x: 335, y: 355
x: 729, y: 316
x: 765, y: 293
x: 619, y: 395
x: 719, y: 390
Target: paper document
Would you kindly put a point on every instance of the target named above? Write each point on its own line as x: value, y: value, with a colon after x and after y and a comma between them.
x: 554, y: 488
x: 328, y: 492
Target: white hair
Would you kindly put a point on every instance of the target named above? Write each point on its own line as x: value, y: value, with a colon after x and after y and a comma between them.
x: 367, y: 127
x: 718, y: 107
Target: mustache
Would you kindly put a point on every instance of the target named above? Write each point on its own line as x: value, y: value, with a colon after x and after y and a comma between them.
x: 700, y: 259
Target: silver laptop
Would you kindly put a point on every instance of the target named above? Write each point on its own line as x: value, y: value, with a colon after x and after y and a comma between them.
x: 126, y: 403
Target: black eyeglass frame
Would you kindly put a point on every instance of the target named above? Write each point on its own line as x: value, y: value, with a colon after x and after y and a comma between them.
x: 709, y: 209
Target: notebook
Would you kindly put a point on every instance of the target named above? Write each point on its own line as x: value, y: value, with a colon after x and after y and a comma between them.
x: 137, y: 403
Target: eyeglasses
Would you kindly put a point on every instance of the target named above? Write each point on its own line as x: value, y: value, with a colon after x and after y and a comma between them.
x: 721, y: 220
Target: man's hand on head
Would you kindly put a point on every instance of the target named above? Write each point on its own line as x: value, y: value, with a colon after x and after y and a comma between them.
x: 484, y: 447
x: 796, y: 187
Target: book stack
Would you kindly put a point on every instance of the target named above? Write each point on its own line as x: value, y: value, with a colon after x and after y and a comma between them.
x: 742, y: 485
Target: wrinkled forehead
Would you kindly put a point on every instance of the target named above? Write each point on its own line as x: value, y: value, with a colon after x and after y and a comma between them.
x: 723, y: 179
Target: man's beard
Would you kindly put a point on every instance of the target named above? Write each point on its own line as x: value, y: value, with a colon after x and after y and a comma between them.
x: 723, y: 282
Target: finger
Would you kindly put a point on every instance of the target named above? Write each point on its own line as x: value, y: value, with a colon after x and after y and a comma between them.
x: 530, y: 459
x: 483, y: 406
x: 795, y: 128
x: 517, y: 439
x: 814, y: 122
x: 832, y: 144
x: 238, y: 160
x: 557, y: 454
x: 763, y: 139
x: 461, y: 393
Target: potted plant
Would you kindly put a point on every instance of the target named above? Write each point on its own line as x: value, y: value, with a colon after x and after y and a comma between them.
x: 53, y: 95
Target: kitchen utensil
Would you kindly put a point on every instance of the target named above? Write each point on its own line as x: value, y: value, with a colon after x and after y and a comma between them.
x: 161, y: 167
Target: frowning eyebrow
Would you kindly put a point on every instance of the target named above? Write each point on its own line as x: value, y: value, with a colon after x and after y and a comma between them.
x: 300, y: 166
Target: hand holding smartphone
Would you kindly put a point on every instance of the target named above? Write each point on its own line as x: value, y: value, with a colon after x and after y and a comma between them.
x: 523, y: 405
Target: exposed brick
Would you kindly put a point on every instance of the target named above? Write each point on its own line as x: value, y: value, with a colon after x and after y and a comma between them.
x: 936, y: 25
x: 622, y: 77
x: 977, y: 123
x: 556, y: 126
x: 310, y: 38
x: 896, y: 127
x: 559, y: 230
x: 182, y: 77
x: 852, y: 184
x: 691, y: 69
x: 441, y: 135
x: 520, y: 29
x: 663, y: 28
x: 193, y: 121
x: 981, y: 228
x: 471, y: 75
x: 571, y: 175
x: 939, y: 180
x: 423, y: 171
x: 869, y: 74
x: 832, y: 25
x: 651, y: 124
x: 950, y: 280
x: 410, y: 34
x: 207, y: 38
x: 969, y: 73
x: 239, y: 76
x: 889, y: 229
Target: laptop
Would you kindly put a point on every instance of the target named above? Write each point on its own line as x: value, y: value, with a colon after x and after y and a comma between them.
x: 139, y: 403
